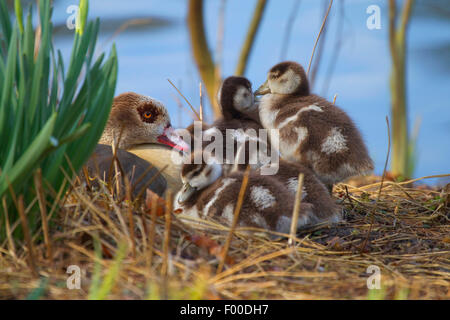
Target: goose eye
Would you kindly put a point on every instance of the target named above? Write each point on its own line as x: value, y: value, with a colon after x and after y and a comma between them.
x: 147, y: 115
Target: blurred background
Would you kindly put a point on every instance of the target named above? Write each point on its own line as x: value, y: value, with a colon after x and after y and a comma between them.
x: 351, y: 61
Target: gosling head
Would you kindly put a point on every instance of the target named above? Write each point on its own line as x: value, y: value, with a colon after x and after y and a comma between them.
x: 198, y: 176
x: 138, y: 119
x: 236, y: 98
x: 285, y: 78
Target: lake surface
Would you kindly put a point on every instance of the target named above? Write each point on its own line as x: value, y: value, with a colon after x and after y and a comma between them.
x: 149, y: 55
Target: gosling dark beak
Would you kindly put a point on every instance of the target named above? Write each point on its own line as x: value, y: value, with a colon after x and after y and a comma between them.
x: 186, y: 192
x: 172, y: 139
x: 263, y: 89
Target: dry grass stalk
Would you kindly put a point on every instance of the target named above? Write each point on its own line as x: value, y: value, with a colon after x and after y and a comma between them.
x: 318, y: 36
x: 12, y: 248
x: 117, y: 174
x: 237, y: 210
x: 151, y: 236
x: 295, y: 213
x: 250, y: 37
x: 168, y: 216
x: 190, y: 105
x: 201, y: 103
x: 408, y: 240
x: 27, y: 236
x: 149, y: 182
x: 387, y: 158
x: 130, y: 216
x: 43, y: 210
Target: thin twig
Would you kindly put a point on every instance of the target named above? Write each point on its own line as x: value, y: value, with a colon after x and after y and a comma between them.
x: 339, y: 40
x: 387, y: 158
x: 295, y: 213
x: 201, y: 103
x: 130, y: 216
x: 27, y: 235
x: 201, y: 52
x: 318, y: 36
x: 250, y: 38
x: 43, y: 210
x: 219, y: 45
x: 318, y: 55
x: 11, y: 245
x: 237, y: 211
x: 190, y: 105
x: 168, y: 215
x: 151, y: 236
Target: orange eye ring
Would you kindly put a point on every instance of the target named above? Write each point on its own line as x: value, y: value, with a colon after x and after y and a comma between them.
x: 147, y: 115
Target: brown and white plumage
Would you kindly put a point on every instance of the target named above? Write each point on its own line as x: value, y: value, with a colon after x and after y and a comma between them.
x: 207, y: 193
x: 239, y: 122
x: 312, y: 131
x: 141, y: 125
x: 314, y: 191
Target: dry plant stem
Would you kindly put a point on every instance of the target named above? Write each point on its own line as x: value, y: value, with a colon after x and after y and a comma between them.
x: 43, y: 210
x: 149, y: 182
x: 11, y: 245
x: 190, y: 105
x: 130, y: 217
x: 337, y: 48
x: 116, y: 168
x: 398, y: 46
x: 318, y: 36
x: 318, y: 55
x: 151, y: 237
x: 387, y: 158
x: 220, y: 37
x: 201, y: 103
x: 168, y: 215
x: 142, y: 176
x: 26, y: 233
x: 13, y: 194
x: 37, y: 40
x: 250, y: 38
x: 237, y: 210
x: 334, y: 99
x: 201, y: 52
x: 364, y: 244
x: 295, y: 213
x: 124, y: 26
x: 251, y: 262
x: 165, y: 260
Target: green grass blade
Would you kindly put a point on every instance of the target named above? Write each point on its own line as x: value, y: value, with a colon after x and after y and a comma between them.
x: 30, y: 157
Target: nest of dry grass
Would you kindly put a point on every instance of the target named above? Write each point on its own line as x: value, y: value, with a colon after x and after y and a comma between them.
x: 125, y: 252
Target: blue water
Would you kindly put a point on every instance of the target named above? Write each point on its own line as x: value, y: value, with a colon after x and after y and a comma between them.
x: 149, y: 56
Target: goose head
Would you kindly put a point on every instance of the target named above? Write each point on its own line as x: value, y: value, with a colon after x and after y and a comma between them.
x: 236, y: 97
x: 285, y: 78
x: 198, y: 175
x: 139, y: 119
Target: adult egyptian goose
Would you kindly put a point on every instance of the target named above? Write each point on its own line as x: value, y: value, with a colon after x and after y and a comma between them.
x: 141, y: 125
x: 207, y: 193
x: 312, y: 131
x: 141, y: 175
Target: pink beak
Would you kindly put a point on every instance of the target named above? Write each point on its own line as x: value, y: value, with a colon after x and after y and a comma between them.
x: 171, y: 139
